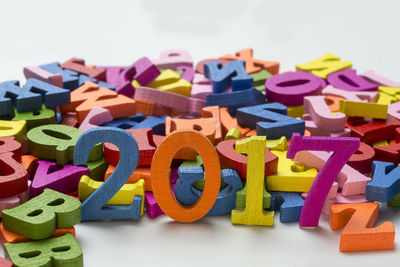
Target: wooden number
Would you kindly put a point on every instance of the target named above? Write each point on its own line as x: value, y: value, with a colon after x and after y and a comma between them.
x: 343, y: 148
x: 160, y: 180
x: 93, y: 206
x: 230, y: 159
x: 350, y: 181
x: 253, y: 212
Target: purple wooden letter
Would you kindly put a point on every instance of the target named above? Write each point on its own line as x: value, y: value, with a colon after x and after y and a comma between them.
x: 152, y: 208
x: 350, y: 81
x: 112, y: 73
x: 291, y: 87
x: 188, y: 73
x: 143, y: 71
x: 64, y: 180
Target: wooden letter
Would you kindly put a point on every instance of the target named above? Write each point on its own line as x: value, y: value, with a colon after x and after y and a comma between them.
x: 325, y: 65
x: 58, y: 251
x: 39, y: 217
x: 89, y: 95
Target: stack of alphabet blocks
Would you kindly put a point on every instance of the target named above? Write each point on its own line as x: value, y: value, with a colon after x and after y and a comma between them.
x: 228, y: 135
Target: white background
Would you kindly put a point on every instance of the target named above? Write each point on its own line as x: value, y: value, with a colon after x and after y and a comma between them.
x: 118, y: 33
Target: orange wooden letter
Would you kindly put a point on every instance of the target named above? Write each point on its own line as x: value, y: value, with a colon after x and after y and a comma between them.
x: 90, y: 95
x: 358, y: 221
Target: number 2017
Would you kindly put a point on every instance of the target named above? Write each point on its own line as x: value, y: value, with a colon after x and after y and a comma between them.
x: 94, y: 207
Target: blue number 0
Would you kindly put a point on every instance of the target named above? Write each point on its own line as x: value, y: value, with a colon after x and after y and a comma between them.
x: 93, y: 208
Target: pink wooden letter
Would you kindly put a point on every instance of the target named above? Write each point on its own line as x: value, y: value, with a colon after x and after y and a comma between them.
x: 143, y: 71
x: 97, y: 116
x: 322, y: 115
x: 170, y: 59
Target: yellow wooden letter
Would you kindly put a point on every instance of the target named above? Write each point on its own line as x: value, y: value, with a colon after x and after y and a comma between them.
x: 233, y: 133
x: 325, y: 65
x: 13, y: 128
x: 181, y: 87
x: 124, y: 196
x: 253, y: 213
x: 295, y: 111
x: 393, y: 92
x: 170, y: 81
x: 363, y: 109
x: 290, y: 177
x: 381, y: 143
x: 166, y: 77
x: 278, y: 144
x: 385, y: 99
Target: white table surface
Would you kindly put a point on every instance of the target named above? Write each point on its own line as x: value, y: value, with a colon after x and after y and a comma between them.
x: 119, y: 32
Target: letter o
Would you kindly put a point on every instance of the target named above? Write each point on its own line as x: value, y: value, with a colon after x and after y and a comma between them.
x: 160, y: 179
x: 290, y: 88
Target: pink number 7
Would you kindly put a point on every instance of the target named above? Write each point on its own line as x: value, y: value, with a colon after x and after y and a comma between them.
x: 342, y: 148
